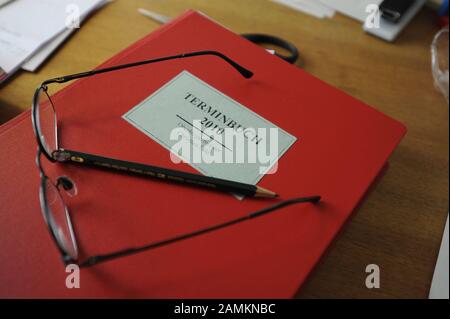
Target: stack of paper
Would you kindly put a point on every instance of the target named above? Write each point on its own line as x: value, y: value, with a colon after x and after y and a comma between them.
x: 3, y: 2
x: 327, y: 8
x: 361, y: 10
x: 357, y: 9
x: 312, y: 7
x: 440, y: 286
x: 31, y: 29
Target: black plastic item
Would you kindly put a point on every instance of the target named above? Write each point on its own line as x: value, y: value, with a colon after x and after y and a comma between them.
x: 394, y: 10
x: 275, y: 41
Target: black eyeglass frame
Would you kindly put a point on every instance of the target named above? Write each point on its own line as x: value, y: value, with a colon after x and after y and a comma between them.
x: 94, y: 260
x: 55, y: 157
x: 46, y: 211
x: 63, y: 155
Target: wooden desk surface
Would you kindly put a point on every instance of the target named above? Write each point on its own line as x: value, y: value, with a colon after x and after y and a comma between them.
x: 399, y: 226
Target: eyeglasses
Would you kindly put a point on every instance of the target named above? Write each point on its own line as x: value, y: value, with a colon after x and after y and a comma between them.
x: 44, y: 112
x: 52, y: 191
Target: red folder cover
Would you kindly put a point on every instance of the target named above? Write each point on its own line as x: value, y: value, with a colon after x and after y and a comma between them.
x: 343, y: 144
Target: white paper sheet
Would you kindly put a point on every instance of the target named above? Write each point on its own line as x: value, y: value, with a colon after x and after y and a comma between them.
x: 174, y: 107
x: 440, y: 286
x: 39, y: 57
x: 27, y: 25
x: 311, y: 7
x: 353, y: 8
x: 3, y: 2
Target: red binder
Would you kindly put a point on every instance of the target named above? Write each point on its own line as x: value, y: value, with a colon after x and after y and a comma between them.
x: 343, y: 144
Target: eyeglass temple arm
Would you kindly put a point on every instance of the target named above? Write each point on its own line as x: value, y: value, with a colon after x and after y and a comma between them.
x: 104, y: 258
x: 243, y: 71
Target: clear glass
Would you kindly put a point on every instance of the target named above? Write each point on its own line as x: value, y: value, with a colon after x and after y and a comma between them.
x: 439, y: 50
x: 58, y: 217
x: 46, y: 122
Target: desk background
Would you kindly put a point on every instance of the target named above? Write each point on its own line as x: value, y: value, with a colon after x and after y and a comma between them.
x: 399, y: 226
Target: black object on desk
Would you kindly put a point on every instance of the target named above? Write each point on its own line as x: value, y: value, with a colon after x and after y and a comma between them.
x: 275, y: 41
x: 394, y: 10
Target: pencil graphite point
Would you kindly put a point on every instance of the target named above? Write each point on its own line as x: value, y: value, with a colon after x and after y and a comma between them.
x: 262, y: 192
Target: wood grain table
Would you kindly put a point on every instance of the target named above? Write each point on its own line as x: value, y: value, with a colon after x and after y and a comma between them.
x: 399, y: 226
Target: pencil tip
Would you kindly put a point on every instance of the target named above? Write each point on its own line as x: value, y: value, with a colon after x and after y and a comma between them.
x: 262, y: 192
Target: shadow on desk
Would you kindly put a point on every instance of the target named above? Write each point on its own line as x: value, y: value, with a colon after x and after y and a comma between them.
x: 7, y: 112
